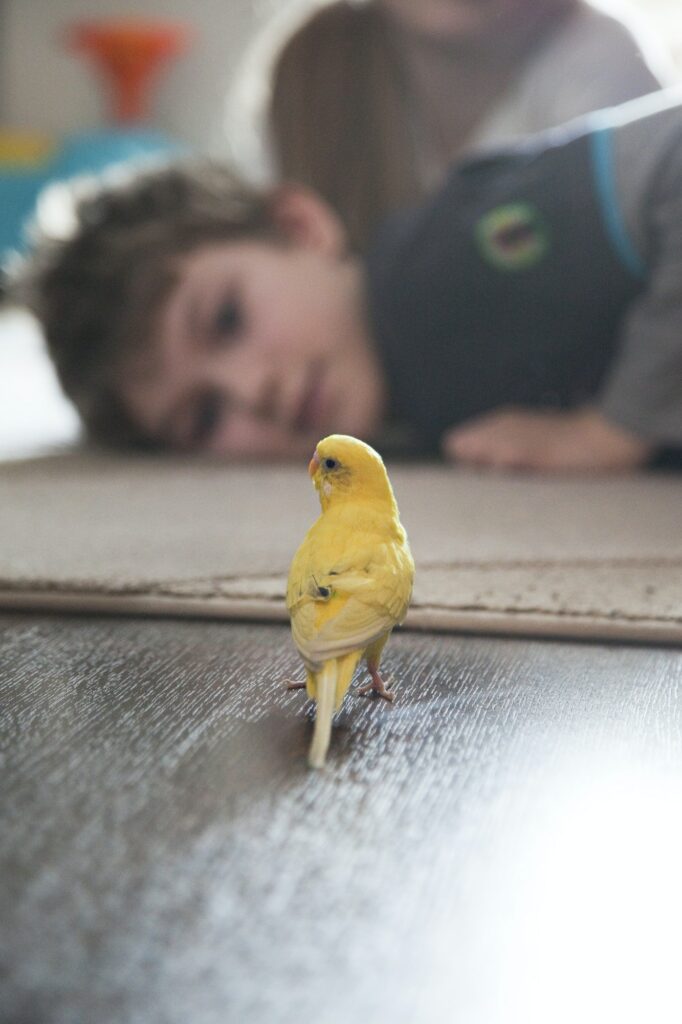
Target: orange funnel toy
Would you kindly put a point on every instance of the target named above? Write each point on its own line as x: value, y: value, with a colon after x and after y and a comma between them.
x: 130, y: 53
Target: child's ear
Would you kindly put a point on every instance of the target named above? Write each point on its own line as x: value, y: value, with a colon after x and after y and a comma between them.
x: 305, y: 218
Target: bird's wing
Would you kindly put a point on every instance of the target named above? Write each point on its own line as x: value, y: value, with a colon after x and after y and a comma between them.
x: 351, y: 624
x: 357, y: 607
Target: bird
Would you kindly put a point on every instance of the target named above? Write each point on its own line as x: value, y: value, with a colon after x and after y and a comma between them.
x: 350, y: 581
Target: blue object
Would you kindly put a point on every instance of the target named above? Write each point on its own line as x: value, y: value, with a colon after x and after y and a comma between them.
x: 602, y: 155
x: 82, y: 153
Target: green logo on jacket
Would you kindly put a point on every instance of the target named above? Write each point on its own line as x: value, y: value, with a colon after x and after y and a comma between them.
x: 513, y: 236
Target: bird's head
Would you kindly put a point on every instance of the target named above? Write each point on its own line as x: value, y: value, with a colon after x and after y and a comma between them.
x: 344, y: 468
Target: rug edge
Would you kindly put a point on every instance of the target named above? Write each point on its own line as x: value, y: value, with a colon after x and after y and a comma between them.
x: 423, y: 619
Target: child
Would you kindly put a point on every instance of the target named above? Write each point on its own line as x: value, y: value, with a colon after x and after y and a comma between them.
x: 528, y: 316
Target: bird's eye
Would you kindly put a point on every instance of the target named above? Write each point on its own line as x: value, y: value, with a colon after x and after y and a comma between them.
x: 330, y: 463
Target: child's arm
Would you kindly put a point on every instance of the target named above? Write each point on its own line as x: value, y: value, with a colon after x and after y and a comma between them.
x: 643, y: 391
x: 580, y: 440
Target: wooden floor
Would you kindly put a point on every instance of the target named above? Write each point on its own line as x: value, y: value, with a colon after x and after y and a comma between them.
x: 503, y: 844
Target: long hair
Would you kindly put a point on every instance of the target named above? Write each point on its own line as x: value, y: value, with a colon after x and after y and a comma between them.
x: 335, y: 117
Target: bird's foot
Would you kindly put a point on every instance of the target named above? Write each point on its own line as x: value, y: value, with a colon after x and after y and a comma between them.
x: 377, y: 686
x: 293, y: 684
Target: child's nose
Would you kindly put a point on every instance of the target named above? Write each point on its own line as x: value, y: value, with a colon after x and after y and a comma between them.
x: 252, y: 386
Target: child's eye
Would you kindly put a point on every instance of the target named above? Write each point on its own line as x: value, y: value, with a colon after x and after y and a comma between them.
x: 207, y: 413
x: 228, y: 321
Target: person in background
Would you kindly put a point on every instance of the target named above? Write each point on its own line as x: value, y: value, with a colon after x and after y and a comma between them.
x: 528, y: 315
x: 370, y: 102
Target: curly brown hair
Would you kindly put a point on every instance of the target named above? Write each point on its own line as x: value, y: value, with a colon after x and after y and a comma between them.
x: 98, y: 291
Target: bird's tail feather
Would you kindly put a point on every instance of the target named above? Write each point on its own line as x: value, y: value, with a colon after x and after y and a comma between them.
x: 328, y: 687
x: 326, y: 705
x: 347, y: 665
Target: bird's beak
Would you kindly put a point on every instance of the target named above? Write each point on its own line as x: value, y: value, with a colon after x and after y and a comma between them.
x: 313, y: 465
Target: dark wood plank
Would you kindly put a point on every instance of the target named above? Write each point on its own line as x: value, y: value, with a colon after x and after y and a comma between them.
x: 502, y: 844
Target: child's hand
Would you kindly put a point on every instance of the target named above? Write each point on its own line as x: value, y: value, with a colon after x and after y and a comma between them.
x: 545, y: 441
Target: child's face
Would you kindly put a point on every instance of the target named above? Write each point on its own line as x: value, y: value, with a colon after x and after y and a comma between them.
x: 261, y: 349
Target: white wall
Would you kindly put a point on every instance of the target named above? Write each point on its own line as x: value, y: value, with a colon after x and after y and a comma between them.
x: 663, y: 16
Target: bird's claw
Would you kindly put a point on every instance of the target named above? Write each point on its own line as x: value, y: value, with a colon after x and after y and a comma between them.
x: 293, y: 684
x: 377, y: 686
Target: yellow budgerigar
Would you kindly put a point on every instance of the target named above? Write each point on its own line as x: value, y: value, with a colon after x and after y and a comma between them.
x: 351, y: 579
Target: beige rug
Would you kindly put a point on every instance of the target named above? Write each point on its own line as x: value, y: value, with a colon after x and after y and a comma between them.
x: 590, y: 558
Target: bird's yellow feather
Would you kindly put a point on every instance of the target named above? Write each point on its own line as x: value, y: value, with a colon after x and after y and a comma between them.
x: 350, y: 581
